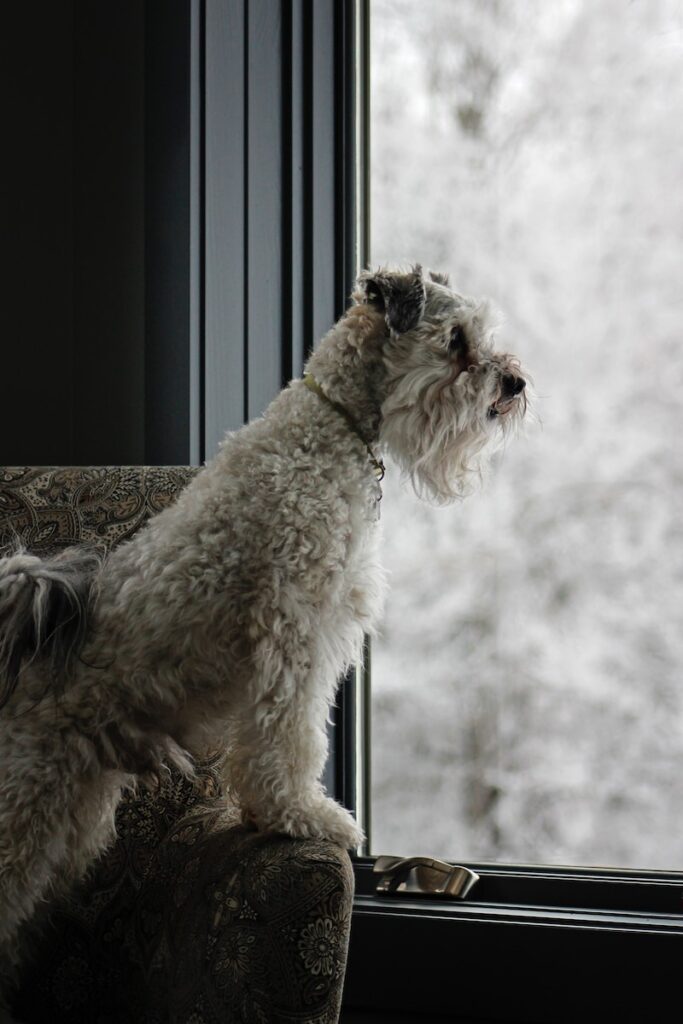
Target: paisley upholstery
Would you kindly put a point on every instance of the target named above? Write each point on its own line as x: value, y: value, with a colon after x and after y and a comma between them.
x: 189, y: 917
x: 52, y: 507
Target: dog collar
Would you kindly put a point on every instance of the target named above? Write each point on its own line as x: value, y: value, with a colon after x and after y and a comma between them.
x: 313, y: 385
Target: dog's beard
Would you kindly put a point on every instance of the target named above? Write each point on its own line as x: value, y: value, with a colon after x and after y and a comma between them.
x: 442, y: 432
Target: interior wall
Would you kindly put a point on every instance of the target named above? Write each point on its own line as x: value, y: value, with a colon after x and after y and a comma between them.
x: 72, y: 186
x: 109, y: 238
x: 36, y: 174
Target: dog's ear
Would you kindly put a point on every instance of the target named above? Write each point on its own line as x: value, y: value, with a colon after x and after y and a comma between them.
x: 438, y: 278
x: 401, y: 297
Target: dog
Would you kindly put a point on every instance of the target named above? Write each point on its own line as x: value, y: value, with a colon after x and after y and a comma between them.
x: 231, y: 616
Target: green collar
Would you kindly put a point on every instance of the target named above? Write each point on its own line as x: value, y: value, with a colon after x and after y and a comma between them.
x: 313, y: 385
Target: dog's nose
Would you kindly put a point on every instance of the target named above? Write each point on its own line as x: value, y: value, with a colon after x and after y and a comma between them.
x: 513, y: 385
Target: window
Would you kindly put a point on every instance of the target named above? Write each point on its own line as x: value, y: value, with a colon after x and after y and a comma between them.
x: 534, y: 149
x: 527, y: 703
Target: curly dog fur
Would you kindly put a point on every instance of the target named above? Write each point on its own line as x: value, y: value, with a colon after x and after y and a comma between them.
x: 231, y: 616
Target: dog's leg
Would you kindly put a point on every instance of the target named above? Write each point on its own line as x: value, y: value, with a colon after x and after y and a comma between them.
x: 56, y: 813
x: 279, y: 752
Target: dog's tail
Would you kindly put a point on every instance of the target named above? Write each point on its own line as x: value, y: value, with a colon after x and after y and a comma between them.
x: 44, y: 606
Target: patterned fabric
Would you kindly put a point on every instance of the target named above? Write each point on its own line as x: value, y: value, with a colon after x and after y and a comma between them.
x: 189, y: 918
x: 51, y: 507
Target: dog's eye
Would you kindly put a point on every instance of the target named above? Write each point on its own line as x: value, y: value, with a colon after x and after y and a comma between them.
x: 457, y: 340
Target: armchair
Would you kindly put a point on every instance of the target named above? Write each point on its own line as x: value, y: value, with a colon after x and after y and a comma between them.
x: 189, y: 917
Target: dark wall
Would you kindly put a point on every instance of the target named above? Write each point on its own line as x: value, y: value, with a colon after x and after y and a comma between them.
x: 36, y: 174
x: 72, y: 192
x: 109, y: 236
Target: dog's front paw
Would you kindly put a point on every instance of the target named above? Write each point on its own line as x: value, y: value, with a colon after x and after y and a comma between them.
x: 323, y: 818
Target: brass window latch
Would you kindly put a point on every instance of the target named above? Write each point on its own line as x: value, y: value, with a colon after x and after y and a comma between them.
x: 423, y: 875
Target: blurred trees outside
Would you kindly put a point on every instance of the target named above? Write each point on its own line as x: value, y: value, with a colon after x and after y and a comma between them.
x: 527, y: 685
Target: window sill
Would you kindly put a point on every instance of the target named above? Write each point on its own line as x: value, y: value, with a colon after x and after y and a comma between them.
x: 522, y: 960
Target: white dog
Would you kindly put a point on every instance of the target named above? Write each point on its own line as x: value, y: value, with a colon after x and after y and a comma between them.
x: 232, y: 615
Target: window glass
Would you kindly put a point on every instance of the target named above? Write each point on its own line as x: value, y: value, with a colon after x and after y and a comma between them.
x: 527, y: 687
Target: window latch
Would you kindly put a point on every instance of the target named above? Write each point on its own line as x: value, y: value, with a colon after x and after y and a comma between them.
x: 423, y: 875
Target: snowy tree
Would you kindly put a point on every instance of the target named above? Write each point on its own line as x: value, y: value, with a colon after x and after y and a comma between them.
x: 527, y: 692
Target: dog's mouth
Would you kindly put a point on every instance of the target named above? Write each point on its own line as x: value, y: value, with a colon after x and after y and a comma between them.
x: 502, y: 407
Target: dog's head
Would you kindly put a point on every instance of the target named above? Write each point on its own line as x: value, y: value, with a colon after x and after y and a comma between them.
x: 450, y: 396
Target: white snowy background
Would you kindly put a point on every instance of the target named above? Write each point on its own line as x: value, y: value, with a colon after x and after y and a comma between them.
x: 527, y: 686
